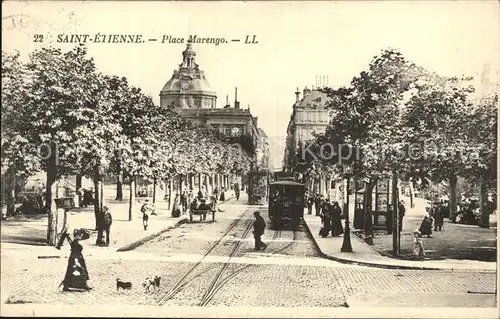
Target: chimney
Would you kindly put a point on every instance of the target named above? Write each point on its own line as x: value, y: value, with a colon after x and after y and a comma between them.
x: 297, y: 95
x: 227, y: 102
x: 306, y: 91
x: 236, y: 103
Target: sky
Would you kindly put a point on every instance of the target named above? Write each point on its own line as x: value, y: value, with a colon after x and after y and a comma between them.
x: 297, y: 41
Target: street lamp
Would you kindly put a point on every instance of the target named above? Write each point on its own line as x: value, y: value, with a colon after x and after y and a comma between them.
x: 346, y: 243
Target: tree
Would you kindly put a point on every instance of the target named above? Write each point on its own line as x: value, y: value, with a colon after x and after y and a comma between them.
x: 367, y: 123
x: 64, y: 116
x: 437, y: 118
x: 483, y: 132
x: 14, y: 163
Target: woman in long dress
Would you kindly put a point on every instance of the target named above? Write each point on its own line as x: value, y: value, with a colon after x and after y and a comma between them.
x: 336, y: 216
x: 325, y: 220
x: 222, y: 195
x: 76, y: 273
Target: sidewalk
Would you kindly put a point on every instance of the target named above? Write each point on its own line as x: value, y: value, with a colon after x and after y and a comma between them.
x: 29, y: 234
x: 364, y: 254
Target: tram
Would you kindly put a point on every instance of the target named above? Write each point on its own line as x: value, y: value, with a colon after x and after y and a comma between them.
x: 286, y: 203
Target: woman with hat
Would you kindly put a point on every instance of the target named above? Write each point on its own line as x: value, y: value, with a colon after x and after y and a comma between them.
x: 76, y: 273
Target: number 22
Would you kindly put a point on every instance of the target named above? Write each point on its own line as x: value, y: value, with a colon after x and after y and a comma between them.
x: 38, y: 38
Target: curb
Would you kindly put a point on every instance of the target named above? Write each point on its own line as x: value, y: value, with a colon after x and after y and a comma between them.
x: 143, y: 240
x: 384, y: 266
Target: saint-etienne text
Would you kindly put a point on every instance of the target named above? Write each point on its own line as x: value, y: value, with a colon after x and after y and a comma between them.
x: 100, y: 38
x: 138, y: 38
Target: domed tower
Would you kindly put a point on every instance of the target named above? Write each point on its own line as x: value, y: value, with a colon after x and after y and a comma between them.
x: 188, y: 88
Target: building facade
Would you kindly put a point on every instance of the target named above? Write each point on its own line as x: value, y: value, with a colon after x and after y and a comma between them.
x: 189, y: 94
x: 309, y: 117
x: 263, y: 152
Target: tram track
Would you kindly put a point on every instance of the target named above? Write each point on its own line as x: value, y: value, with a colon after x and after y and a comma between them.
x: 185, y: 279
x: 214, y: 288
x: 217, y: 283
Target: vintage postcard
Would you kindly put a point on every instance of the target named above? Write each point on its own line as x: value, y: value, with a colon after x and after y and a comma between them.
x: 249, y: 159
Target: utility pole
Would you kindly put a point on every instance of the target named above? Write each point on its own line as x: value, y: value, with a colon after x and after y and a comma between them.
x: 395, y: 209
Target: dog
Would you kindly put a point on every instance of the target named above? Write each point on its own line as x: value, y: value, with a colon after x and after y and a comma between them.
x: 123, y: 284
x: 151, y: 281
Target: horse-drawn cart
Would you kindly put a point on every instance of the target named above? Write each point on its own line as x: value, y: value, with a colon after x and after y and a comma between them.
x: 202, y: 209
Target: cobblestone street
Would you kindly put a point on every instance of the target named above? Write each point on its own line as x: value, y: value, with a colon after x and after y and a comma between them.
x: 288, y: 273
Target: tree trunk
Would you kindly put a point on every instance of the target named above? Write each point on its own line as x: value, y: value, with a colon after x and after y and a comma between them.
x: 483, y: 201
x: 78, y: 182
x: 412, y: 193
x: 170, y: 186
x: 181, y: 184
x: 131, y: 200
x: 11, y: 190
x: 50, y: 204
x: 96, y: 178
x: 119, y: 183
x: 78, y: 186
x: 101, y: 203
x: 395, y: 214
x: 154, y: 190
x: 453, y: 195
x: 367, y: 206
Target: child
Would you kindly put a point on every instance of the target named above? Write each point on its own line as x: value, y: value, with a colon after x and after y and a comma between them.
x: 418, y: 245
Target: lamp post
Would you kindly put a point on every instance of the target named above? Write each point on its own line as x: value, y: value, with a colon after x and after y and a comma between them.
x: 346, y: 243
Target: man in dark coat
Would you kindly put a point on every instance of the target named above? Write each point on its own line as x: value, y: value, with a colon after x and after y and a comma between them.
x: 438, y: 218
x: 309, y: 202
x: 318, y: 202
x: 108, y: 220
x: 401, y: 212
x: 258, y: 230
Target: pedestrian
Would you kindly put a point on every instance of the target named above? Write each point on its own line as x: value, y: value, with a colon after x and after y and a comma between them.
x: 76, y: 272
x: 325, y: 223
x: 336, y: 219
x: 401, y: 214
x: 146, y: 210
x: 107, y: 221
x: 426, y: 226
x: 258, y: 230
x: 184, y: 202
x: 418, y: 245
x: 237, y: 191
x: 310, y: 203
x: 317, y: 204
x: 438, y: 218
x: 222, y: 195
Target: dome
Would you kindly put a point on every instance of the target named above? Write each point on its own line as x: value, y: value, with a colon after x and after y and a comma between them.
x: 185, y: 85
x: 188, y: 87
